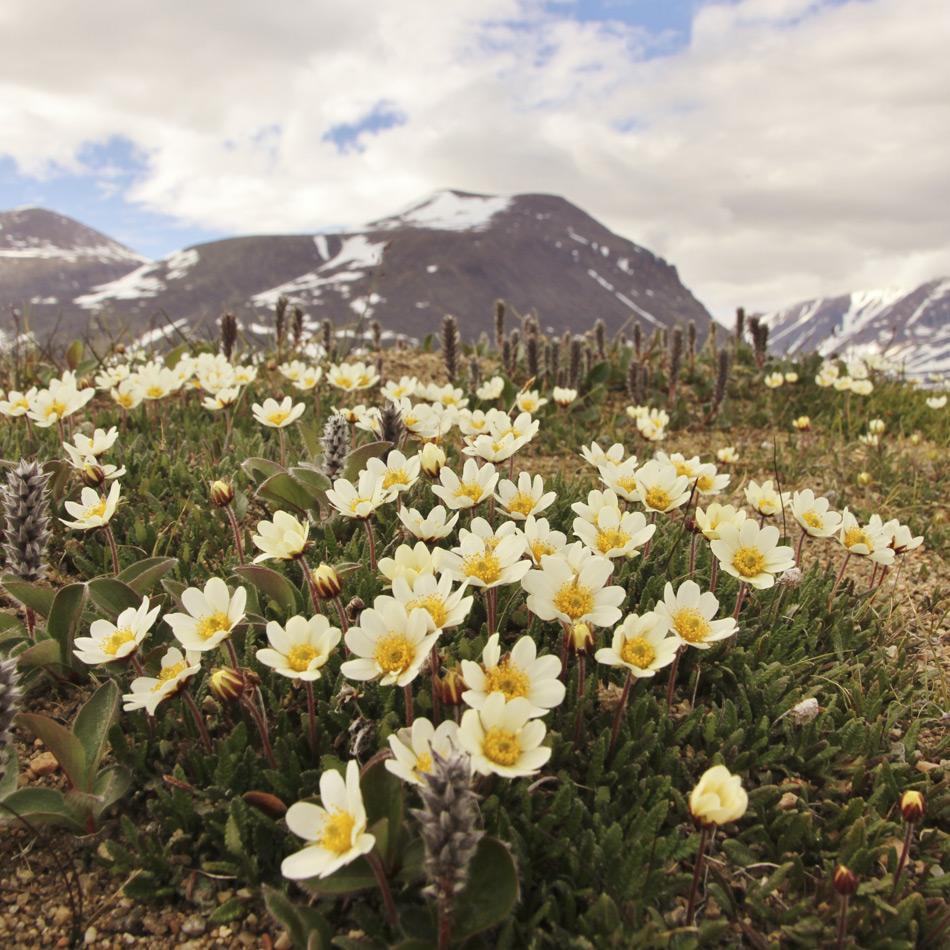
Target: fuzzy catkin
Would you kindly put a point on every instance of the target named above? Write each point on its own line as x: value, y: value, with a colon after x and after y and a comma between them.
x: 377, y: 331
x: 637, y: 338
x: 450, y: 338
x: 336, y: 443
x: 722, y: 377
x: 600, y: 337
x: 298, y: 326
x: 326, y: 332
x: 574, y: 369
x: 391, y: 426
x: 474, y: 373
x: 280, y: 321
x: 740, y: 323
x: 9, y: 702
x: 26, y: 508
x: 228, y: 334
x: 499, y: 323
x: 676, y: 359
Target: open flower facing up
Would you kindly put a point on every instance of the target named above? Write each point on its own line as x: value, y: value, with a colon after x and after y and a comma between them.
x: 901, y: 538
x: 727, y: 455
x: 491, y: 388
x: 476, y: 484
x: 60, y: 399
x: 522, y: 673
x: 601, y: 458
x: 752, y: 553
x: 412, y: 748
x: 396, y: 475
x: 211, y: 615
x: 774, y: 380
x: 689, y: 615
x: 109, y: 641
x: 814, y: 514
x: 282, y: 539
x: 432, y: 527
x: 96, y: 444
x: 299, y: 648
x: 359, y: 500
x: 92, y: 510
x: 390, y: 644
x: 175, y: 671
x: 530, y: 401
x: 352, y: 376
x: 406, y: 387
x: 641, y: 644
x: 559, y: 592
x: 659, y: 488
x: 503, y: 739
x: 278, y: 415
x: 540, y: 539
x: 485, y: 560
x: 335, y: 830
x: 408, y: 562
x: 718, y: 797
x: 527, y: 497
x: 936, y: 402
x: 616, y: 533
x: 870, y: 540
x: 446, y: 607
x: 17, y: 403
x: 764, y: 498
x: 710, y: 520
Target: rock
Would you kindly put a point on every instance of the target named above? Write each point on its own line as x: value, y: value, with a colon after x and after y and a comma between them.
x: 283, y: 942
x: 43, y: 764
x: 90, y: 936
x: 62, y: 915
x: 154, y: 925
x: 193, y: 926
x: 788, y: 801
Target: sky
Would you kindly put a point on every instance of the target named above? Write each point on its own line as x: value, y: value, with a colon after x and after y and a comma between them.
x: 773, y: 150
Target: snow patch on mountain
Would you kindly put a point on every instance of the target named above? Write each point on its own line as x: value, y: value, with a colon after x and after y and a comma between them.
x: 446, y: 211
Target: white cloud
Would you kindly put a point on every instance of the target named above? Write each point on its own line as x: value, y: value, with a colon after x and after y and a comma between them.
x: 793, y: 148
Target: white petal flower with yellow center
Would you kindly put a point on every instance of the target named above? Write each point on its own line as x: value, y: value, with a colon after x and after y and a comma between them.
x: 473, y: 422
x: 764, y: 498
x: 412, y: 748
x: 659, y: 488
x: 752, y: 553
x: 641, y: 645
x: 558, y: 592
x: 900, y: 538
x: 83, y: 462
x: 862, y: 387
x: 616, y: 533
x: 718, y: 797
x: 352, y: 376
x: 526, y: 497
x: 299, y: 648
x: 278, y: 415
x: 936, y: 402
x: 211, y: 615
x: 485, y: 560
x: 541, y: 539
x: 128, y: 394
x: 709, y: 481
x: 689, y: 613
x: 530, y: 401
x: 563, y: 396
x: 503, y: 739
x: 814, y: 514
x: 175, y: 671
x: 360, y: 500
x: 712, y: 518
x: 17, y: 403
x: 476, y: 484
x: 621, y: 479
x: 108, y: 641
x: 404, y: 389
x: 597, y: 502
x: 396, y: 474
x: 292, y: 370
x: 308, y: 379
x: 98, y: 443
x: 222, y: 399
x: 335, y: 830
x: 60, y: 400
x: 491, y: 388
x: 92, y: 510
x: 492, y: 448
x: 408, y: 562
x: 431, y: 527
x: 774, y: 380
x: 598, y: 457
x: 446, y: 607
x: 868, y: 541
x: 283, y: 538
x: 727, y: 455
x: 390, y: 644
x: 521, y: 673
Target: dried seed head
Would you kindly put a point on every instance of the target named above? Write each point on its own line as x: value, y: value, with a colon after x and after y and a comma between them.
x: 450, y: 339
x: 9, y: 702
x: 26, y: 508
x: 336, y: 442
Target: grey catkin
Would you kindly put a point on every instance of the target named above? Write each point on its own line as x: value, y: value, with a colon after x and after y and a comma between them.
x: 336, y: 443
x: 9, y: 703
x: 450, y: 339
x: 26, y: 510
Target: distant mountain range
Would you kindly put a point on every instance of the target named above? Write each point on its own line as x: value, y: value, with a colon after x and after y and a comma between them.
x: 452, y: 252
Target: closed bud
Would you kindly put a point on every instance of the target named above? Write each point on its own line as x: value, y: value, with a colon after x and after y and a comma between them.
x: 222, y: 493
x: 93, y: 475
x: 433, y: 458
x: 845, y: 881
x: 354, y: 608
x: 912, y: 806
x: 450, y: 687
x: 226, y: 683
x: 582, y: 638
x: 326, y: 581
x: 864, y: 478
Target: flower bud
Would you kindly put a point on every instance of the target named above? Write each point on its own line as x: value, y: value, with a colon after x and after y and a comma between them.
x: 226, y: 683
x: 433, y: 458
x: 353, y: 609
x: 912, y: 806
x: 864, y: 478
x: 450, y: 687
x: 93, y: 475
x: 582, y: 638
x: 802, y: 423
x: 845, y: 881
x: 222, y: 493
x: 915, y: 438
x: 326, y: 581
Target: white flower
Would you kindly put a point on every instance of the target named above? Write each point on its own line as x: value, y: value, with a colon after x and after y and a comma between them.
x: 503, y: 739
x: 390, y: 643
x: 149, y: 691
x: 405, y: 388
x: 221, y: 399
x: 17, y: 403
x: 60, y: 399
x: 530, y: 401
x: 485, y: 560
x: 96, y: 444
x: 862, y: 387
x: 300, y: 648
x: 901, y: 538
x: 352, y: 376
x: 764, y: 498
x: 718, y: 797
x: 641, y: 645
x: 936, y: 402
x: 211, y: 615
x: 283, y: 539
x: 689, y: 615
x: 615, y: 533
x: 814, y: 514
x: 558, y: 592
x: 527, y: 497
x: 659, y: 487
x: 109, y: 641
x: 876, y: 426
x: 476, y: 484
x: 92, y: 510
x: 522, y: 673
x: 128, y: 394
x: 278, y: 415
x: 491, y: 388
x: 710, y: 520
x: 774, y: 380
x: 335, y: 830
x: 727, y: 455
x: 870, y: 541
x: 308, y: 379
x: 412, y: 748
x: 752, y: 553
x: 360, y: 500
x: 445, y: 607
x: 564, y: 396
x: 397, y: 474
x: 432, y: 527
x: 408, y: 562
x: 791, y: 377
x: 540, y: 539
x: 621, y: 478
x: 599, y: 458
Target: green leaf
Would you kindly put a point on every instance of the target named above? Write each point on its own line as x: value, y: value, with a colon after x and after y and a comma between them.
x: 383, y: 798
x: 111, y: 596
x: 355, y: 876
x: 301, y: 923
x: 11, y: 772
x: 270, y: 583
x: 357, y: 459
x: 111, y: 784
x: 42, y: 654
x: 74, y: 354
x: 143, y: 575
x: 63, y: 744
x: 260, y: 469
x: 38, y: 599
x: 598, y: 374
x: 94, y: 721
x: 42, y: 806
x: 491, y: 891
x: 286, y: 492
x: 64, y: 617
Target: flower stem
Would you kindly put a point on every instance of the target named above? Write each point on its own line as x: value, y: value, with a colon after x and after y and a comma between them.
x: 283, y: 447
x: 905, y: 851
x: 740, y: 599
x: 618, y: 715
x: 110, y: 537
x: 842, y: 934
x: 697, y: 872
x: 692, y: 554
x: 341, y: 613
x: 236, y: 531
x: 198, y: 718
x: 714, y: 574
x: 311, y: 586
x: 311, y: 715
x: 31, y: 622
x: 490, y: 608
x: 839, y: 579
x: 260, y: 720
x: 407, y: 696
x: 372, y: 543
x: 434, y: 664
x: 671, y: 682
x: 377, y: 865
x: 581, y: 682
x: 798, y: 549
x: 232, y: 654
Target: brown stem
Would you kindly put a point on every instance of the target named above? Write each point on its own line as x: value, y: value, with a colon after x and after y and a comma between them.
x: 311, y: 715
x: 236, y: 531
x: 714, y: 574
x: 839, y: 578
x: 110, y: 537
x: 311, y: 586
x: 671, y: 682
x: 377, y: 865
x: 740, y: 599
x: 31, y: 622
x: 697, y: 872
x: 407, y: 696
x: 198, y: 718
x: 905, y: 851
x: 341, y: 613
x: 618, y: 715
x: 842, y: 932
x: 372, y: 543
x: 798, y: 548
x: 490, y: 605
x: 260, y: 720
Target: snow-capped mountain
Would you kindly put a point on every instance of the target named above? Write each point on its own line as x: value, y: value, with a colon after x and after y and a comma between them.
x: 452, y: 252
x: 909, y: 327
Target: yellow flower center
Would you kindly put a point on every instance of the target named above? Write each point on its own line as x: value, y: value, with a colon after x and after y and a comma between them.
x: 638, y: 652
x: 21, y: 403
x: 628, y: 483
x: 470, y: 490
x: 423, y: 763
x: 97, y: 510
x: 395, y: 477
x: 657, y: 498
x: 749, y: 562
x: 344, y: 382
x: 278, y: 418
x: 55, y: 408
x: 436, y: 607
x: 507, y: 679
x: 501, y: 746
x: 705, y: 482
x: 528, y: 404
x: 813, y: 519
x: 683, y: 468
x: 356, y: 502
x: 168, y: 673
x: 300, y: 655
x: 337, y: 832
x: 691, y: 625
x: 521, y: 504
x: 539, y: 549
x: 611, y: 538
x: 154, y: 392
x: 114, y: 641
x: 575, y: 600
x: 363, y: 379
x: 855, y: 536
x: 212, y: 624
x: 125, y: 400
x: 486, y: 567
x: 394, y: 653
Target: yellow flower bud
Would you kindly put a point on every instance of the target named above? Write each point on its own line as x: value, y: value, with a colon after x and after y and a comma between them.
x: 226, y: 683
x: 864, y: 478
x: 326, y: 581
x: 845, y: 880
x: 433, y: 458
x: 582, y: 638
x: 93, y: 475
x: 222, y: 493
x: 718, y: 797
x: 802, y: 423
x: 912, y: 806
x: 450, y: 687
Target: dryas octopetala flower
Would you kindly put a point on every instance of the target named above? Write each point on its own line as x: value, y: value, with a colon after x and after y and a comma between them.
x: 641, y: 644
x: 936, y: 402
x: 485, y: 560
x: 563, y: 396
x: 476, y: 484
x: 359, y: 500
x: 540, y: 539
x: 752, y: 553
x: 774, y: 380
x: 659, y: 488
x: 413, y: 747
x: 710, y: 520
x: 432, y: 459
x: 352, y: 376
x: 718, y: 797
x: 335, y: 830
x: 445, y: 607
x: 615, y: 533
x: 801, y: 423
x: 870, y: 540
x: 109, y: 641
x: 60, y: 399
x: 491, y: 388
x: 530, y: 401
x: 689, y: 615
x: 600, y: 458
x: 396, y: 475
x: 278, y: 415
x: 900, y: 538
x: 175, y: 671
x: 283, y: 538
x: 408, y: 562
x: 299, y: 648
x: 558, y: 591
x: 92, y: 510
x: 390, y: 644
x: 727, y: 455
x: 814, y: 514
x: 432, y: 527
x: 764, y: 498
x: 503, y: 739
x: 527, y: 497
x: 211, y: 615
x: 17, y: 403
x: 326, y: 581
x: 99, y: 442
x: 521, y: 673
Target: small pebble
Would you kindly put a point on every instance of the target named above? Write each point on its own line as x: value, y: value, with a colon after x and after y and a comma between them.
x: 193, y: 926
x: 90, y: 936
